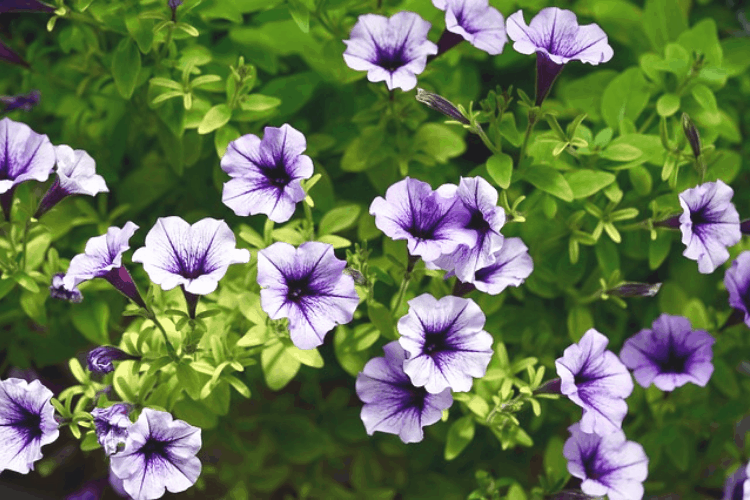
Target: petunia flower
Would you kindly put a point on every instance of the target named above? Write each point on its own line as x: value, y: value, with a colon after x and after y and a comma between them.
x: 307, y: 285
x: 24, y: 6
x: 709, y: 224
x: 159, y: 455
x: 111, y: 425
x: 431, y: 224
x: 737, y: 281
x: 100, y: 359
x: 266, y: 174
x: 512, y: 266
x: 20, y: 101
x: 76, y: 174
x: 24, y: 156
x: 27, y: 422
x: 474, y: 21
x: 391, y: 403
x: 737, y: 486
x: 441, y: 105
x: 556, y: 38
x: 479, y: 198
x: 195, y: 257
x: 446, y: 343
x: 597, y: 381
x: 102, y: 258
x: 392, y: 49
x: 608, y: 465
x: 58, y: 291
x: 670, y: 354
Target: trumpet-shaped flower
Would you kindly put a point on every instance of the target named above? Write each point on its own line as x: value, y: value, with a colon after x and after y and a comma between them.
x: 307, y: 285
x: 266, y: 174
x: 391, y: 403
x: 737, y: 281
x: 478, y: 23
x: 392, y: 49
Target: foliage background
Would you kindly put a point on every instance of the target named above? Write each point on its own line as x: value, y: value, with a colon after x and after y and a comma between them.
x: 95, y: 67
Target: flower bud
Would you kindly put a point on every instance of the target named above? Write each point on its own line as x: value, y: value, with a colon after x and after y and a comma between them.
x: 691, y: 132
x: 635, y: 290
x: 100, y: 359
x: 441, y: 104
x: 58, y: 291
x: 21, y: 101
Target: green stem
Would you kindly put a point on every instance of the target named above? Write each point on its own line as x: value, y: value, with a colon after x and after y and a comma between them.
x: 268, y: 232
x: 170, y: 347
x: 486, y: 140
x: 648, y: 122
x: 25, y: 243
x: 533, y: 118
x: 405, y: 282
x: 309, y: 219
x: 165, y: 48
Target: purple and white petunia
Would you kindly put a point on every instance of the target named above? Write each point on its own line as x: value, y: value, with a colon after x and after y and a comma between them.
x: 266, y: 174
x: 392, y: 403
x: 709, y: 224
x: 76, y: 174
x: 670, y: 354
x: 159, y: 455
x: 431, y: 224
x: 737, y: 486
x: 27, y: 422
x: 479, y: 198
x: 512, y: 266
x: 446, y: 343
x: 556, y: 38
x: 195, y: 257
x: 24, y: 156
x: 102, y: 258
x: 112, y: 426
x: 20, y: 101
x: 737, y: 281
x: 476, y: 21
x: 392, y: 49
x: 597, y: 381
x: 608, y: 465
x: 58, y: 291
x: 100, y: 359
x: 308, y: 286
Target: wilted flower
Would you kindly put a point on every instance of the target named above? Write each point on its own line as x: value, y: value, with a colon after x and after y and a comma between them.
x: 27, y: 422
x: 266, y: 174
x: 76, y: 174
x: 446, y: 343
x: 100, y: 358
x: 737, y: 486
x: 512, y: 266
x: 21, y: 101
x: 431, y: 224
x: 608, y: 465
x: 556, y: 38
x: 196, y: 256
x: 392, y: 403
x: 669, y: 355
x: 597, y: 381
x: 392, y: 49
x: 24, y: 156
x: 442, y: 105
x: 486, y: 219
x: 112, y: 426
x: 474, y: 20
x: 709, y: 224
x: 58, y: 291
x: 102, y: 258
x: 159, y: 455
x: 737, y: 281
x: 307, y: 285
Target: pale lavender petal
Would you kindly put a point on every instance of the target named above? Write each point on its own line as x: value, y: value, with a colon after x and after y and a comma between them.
x: 101, y: 255
x: 512, y: 266
x: 737, y: 281
x: 478, y: 23
x: 24, y: 155
x: 76, y: 171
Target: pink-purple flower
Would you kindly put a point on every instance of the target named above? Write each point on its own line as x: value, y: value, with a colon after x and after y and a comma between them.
x: 737, y: 281
x: 27, y: 422
x: 266, y: 174
x: 476, y: 21
x: 597, y: 381
x: 58, y: 291
x: 431, y: 224
x: 670, y: 354
x: 392, y: 49
x: 391, y: 402
x: 308, y: 286
x: 446, y: 343
x: 512, y: 265
x: 709, y: 224
x: 194, y: 256
x: 111, y: 425
x: 607, y: 465
x: 159, y: 455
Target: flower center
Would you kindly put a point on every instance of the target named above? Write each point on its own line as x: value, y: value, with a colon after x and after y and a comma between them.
x: 435, y: 342
x: 592, y: 469
x: 153, y: 447
x: 297, y: 288
x: 478, y: 223
x: 674, y: 362
x: 277, y: 175
x: 391, y: 59
x: 698, y: 217
x: 29, y: 423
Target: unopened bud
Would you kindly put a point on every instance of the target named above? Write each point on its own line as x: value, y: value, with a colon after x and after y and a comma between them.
x: 100, y: 360
x: 635, y: 290
x: 441, y: 104
x: 691, y: 132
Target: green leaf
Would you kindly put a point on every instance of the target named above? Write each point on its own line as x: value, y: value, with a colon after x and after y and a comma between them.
x: 736, y: 52
x: 381, y: 317
x: 223, y: 137
x: 663, y: 21
x: 724, y: 379
x: 704, y: 38
x: 279, y: 365
x: 460, y: 434
x: 641, y: 180
x: 335, y: 241
x: 90, y: 442
x: 580, y: 320
x: 515, y: 492
x: 300, y: 14
x: 500, y: 168
x: 26, y: 281
x: 77, y: 370
x: 350, y: 346
x: 91, y: 320
x: 584, y: 183
x: 704, y: 97
x: 238, y: 385
x: 339, y: 219
x: 625, y: 97
x: 549, y: 180
x: 142, y: 31
x: 668, y: 104
x: 308, y: 357
x: 126, y: 64
x: 217, y: 117
x: 439, y: 141
x: 607, y: 256
x: 259, y: 102
x: 189, y: 380
x: 621, y: 152
x: 658, y: 249
x: 555, y: 464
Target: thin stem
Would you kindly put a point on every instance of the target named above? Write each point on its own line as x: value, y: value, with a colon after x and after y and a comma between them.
x: 309, y: 219
x: 647, y: 123
x: 268, y: 232
x: 25, y: 244
x: 170, y: 347
x: 529, y: 128
x: 165, y: 48
x: 486, y: 140
x: 405, y: 282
